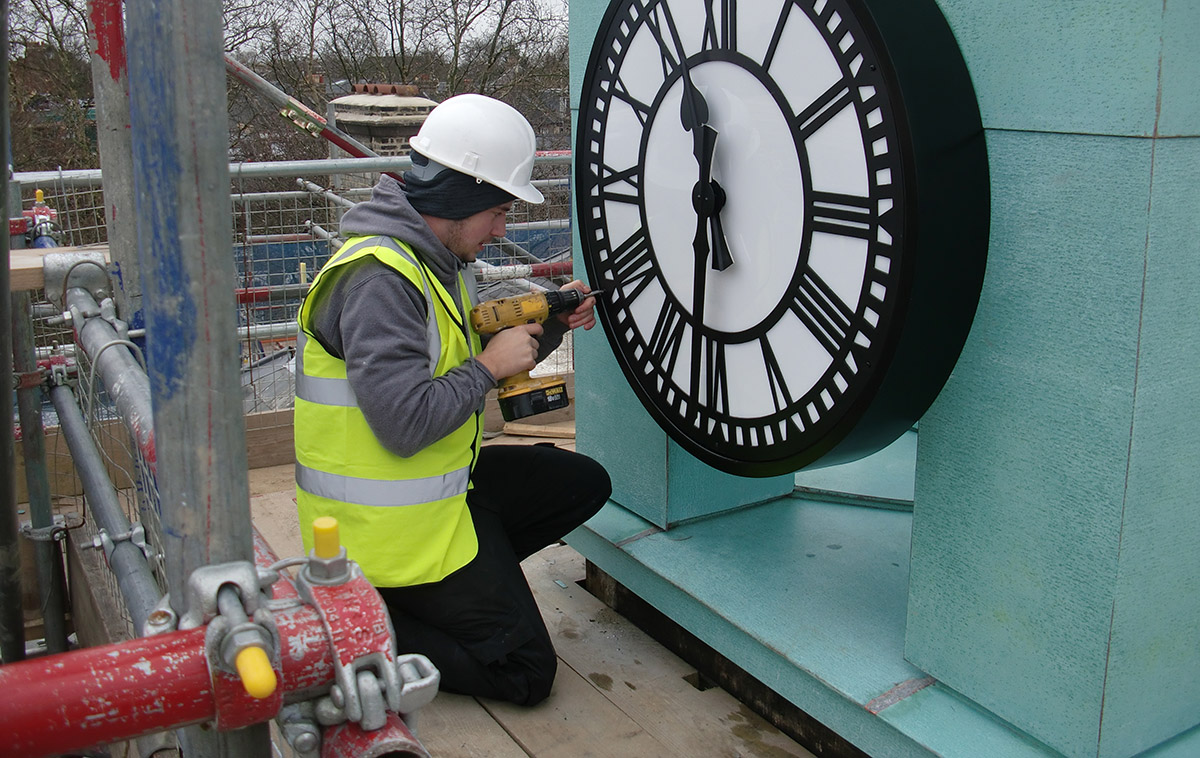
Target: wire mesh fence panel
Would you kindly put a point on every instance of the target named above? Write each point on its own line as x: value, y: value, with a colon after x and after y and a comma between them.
x: 74, y: 205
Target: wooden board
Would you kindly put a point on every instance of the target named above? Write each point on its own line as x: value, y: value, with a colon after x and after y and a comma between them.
x: 456, y: 726
x: 268, y: 443
x: 25, y: 264
x: 640, y: 677
x: 269, y: 439
x: 555, y: 430
x: 575, y: 720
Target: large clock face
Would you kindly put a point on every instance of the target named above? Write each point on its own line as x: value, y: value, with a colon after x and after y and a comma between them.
x: 746, y: 189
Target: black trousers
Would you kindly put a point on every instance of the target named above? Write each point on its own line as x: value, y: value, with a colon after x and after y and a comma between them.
x: 481, y: 626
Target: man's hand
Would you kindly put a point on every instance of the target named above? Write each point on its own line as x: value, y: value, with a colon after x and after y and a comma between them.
x: 511, y: 351
x: 584, y: 315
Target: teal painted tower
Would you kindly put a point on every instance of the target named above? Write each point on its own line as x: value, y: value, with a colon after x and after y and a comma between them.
x: 1043, y: 597
x: 1055, y: 561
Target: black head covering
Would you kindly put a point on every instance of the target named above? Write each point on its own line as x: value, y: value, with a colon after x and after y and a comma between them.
x: 440, y: 191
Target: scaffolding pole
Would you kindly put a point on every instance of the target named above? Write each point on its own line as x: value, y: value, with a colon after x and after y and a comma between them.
x: 12, y: 619
x: 110, y: 86
x: 185, y: 224
x: 138, y: 589
x: 47, y: 550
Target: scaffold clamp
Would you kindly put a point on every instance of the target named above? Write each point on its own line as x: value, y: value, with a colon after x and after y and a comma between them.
x: 63, y: 522
x: 88, y: 271
x: 136, y: 535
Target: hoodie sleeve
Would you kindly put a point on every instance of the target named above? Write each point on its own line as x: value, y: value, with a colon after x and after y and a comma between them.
x: 380, y: 324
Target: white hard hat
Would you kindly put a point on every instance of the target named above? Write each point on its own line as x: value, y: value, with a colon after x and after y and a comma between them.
x: 484, y: 138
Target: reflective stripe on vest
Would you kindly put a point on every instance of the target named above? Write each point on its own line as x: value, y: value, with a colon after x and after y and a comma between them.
x: 382, y: 493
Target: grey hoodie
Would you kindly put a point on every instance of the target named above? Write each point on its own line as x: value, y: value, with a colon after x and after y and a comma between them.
x: 374, y: 319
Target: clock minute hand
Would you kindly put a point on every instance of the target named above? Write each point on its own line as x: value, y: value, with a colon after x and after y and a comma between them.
x: 693, y: 109
x: 707, y: 197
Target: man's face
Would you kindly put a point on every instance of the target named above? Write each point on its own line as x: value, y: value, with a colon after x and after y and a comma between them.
x: 466, y: 237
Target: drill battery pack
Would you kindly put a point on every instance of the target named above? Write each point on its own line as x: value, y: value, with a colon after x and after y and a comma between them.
x: 532, y: 396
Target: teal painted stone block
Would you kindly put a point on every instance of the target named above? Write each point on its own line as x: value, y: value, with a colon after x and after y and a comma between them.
x: 585, y: 19
x: 1153, y: 674
x: 1054, y: 578
x: 1076, y: 66
x: 1180, y: 106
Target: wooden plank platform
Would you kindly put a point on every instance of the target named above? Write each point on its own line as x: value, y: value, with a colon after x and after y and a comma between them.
x: 617, y: 694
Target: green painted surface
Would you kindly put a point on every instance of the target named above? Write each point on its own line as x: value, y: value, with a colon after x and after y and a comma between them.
x: 1054, y: 570
x: 1180, y: 100
x: 951, y: 725
x: 1021, y: 460
x: 1153, y: 675
x: 885, y: 479
x: 825, y: 632
x: 744, y: 583
x: 1077, y: 66
x: 808, y: 598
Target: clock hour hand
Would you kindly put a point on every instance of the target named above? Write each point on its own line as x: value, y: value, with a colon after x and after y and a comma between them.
x: 707, y: 199
x: 704, y: 197
x: 721, y: 259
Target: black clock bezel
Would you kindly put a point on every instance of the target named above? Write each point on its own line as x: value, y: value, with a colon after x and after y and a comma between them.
x: 944, y: 197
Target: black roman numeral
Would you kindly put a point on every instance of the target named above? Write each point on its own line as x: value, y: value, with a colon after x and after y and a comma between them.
x: 847, y: 215
x: 720, y: 35
x: 667, y: 338
x: 780, y: 394
x: 609, y: 177
x: 779, y: 25
x: 640, y: 109
x: 669, y: 46
x: 633, y: 265
x: 716, y: 396
x: 829, y: 320
x: 817, y: 114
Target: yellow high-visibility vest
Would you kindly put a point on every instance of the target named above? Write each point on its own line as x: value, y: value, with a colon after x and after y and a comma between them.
x: 404, y: 520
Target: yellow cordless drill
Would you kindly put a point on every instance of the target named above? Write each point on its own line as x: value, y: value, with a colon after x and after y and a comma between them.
x: 522, y: 395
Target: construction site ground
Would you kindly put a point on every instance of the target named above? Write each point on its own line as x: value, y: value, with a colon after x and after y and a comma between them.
x: 618, y: 693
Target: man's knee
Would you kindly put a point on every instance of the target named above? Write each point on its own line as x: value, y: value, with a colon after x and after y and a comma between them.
x: 530, y: 675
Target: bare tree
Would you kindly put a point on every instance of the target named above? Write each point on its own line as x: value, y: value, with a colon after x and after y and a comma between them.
x: 512, y: 49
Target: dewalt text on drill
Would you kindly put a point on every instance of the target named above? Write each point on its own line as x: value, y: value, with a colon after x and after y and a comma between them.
x: 522, y: 395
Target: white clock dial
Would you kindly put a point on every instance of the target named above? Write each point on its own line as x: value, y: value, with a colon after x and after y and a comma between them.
x: 745, y: 177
